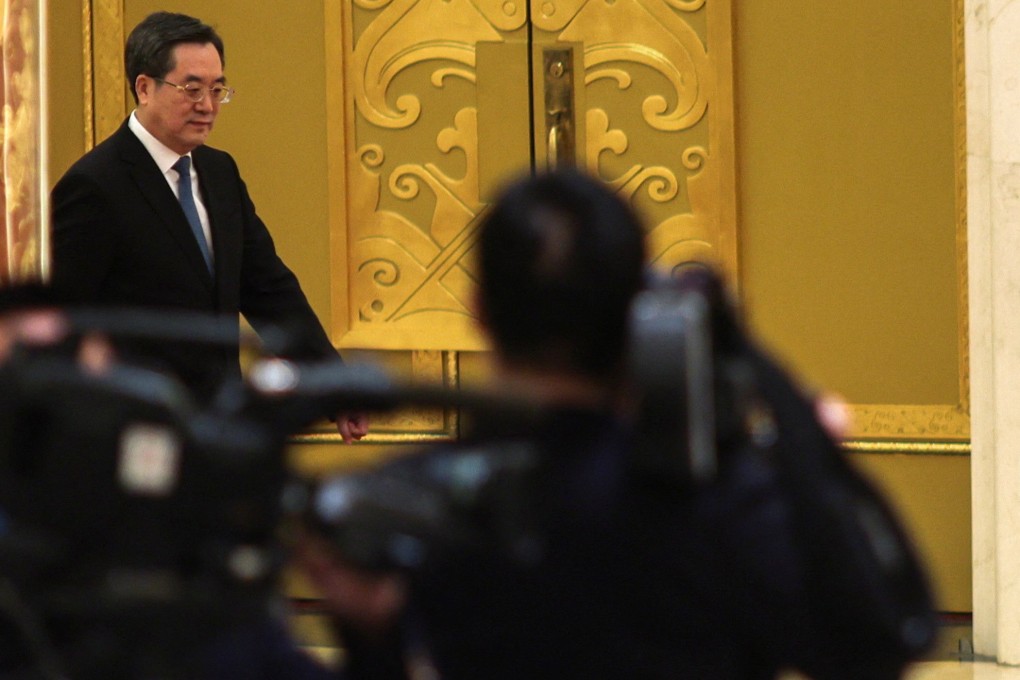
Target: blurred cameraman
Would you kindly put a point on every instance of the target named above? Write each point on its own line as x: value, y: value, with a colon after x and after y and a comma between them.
x: 32, y: 321
x: 614, y: 573
x: 32, y: 318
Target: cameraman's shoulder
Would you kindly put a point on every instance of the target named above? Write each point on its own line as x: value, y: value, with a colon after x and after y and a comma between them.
x: 437, y: 456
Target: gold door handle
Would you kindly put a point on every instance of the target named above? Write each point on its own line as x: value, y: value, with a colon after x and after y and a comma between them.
x: 558, y: 65
x: 552, y: 148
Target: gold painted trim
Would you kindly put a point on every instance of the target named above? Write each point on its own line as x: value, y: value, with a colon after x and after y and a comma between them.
x: 339, y: 119
x: 724, y: 134
x: 960, y: 138
x: 918, y: 428
x: 916, y: 448
x: 89, y: 89
x: 423, y: 370
x: 382, y: 438
x: 103, y: 45
x: 906, y: 422
x: 42, y: 175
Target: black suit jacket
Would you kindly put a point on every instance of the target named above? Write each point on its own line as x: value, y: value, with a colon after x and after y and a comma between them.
x: 120, y: 238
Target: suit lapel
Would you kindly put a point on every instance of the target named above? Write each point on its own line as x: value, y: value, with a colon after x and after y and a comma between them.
x: 153, y: 187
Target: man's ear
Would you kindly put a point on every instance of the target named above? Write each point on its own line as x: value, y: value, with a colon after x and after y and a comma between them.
x: 143, y: 88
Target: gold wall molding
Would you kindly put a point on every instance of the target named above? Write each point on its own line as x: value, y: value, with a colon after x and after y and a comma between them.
x: 910, y: 448
x: 960, y: 175
x: 414, y: 424
x: 105, y: 92
x: 926, y: 428
x: 88, y: 86
x: 897, y: 421
x: 365, y: 55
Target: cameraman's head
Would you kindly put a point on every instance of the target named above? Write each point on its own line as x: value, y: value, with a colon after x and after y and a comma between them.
x: 561, y: 257
x: 33, y: 319
x: 29, y: 317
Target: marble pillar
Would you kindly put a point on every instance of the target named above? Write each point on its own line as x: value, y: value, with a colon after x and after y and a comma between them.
x: 992, y: 43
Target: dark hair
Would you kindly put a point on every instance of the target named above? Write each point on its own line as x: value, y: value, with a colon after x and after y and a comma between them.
x: 561, y: 257
x: 150, y: 47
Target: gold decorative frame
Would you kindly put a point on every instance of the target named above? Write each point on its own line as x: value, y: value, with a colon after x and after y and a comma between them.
x: 105, y: 92
x: 413, y: 425
x: 933, y: 429
x: 439, y: 108
x: 917, y: 448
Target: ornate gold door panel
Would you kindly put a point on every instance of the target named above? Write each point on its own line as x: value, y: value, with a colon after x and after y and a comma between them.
x: 435, y: 103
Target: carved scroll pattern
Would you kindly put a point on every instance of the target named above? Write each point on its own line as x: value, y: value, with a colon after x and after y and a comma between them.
x: 673, y: 167
x: 412, y: 219
x: 411, y: 71
x: 678, y: 165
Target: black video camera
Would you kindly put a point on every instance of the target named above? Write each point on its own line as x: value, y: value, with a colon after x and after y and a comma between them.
x: 127, y: 505
x: 137, y: 528
x: 134, y: 526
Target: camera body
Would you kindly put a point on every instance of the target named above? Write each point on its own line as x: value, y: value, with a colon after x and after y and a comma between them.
x: 136, y: 527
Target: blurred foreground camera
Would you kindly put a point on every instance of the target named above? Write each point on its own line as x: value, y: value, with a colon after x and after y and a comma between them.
x: 136, y: 528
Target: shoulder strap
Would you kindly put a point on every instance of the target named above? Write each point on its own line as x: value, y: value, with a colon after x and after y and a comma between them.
x: 864, y: 574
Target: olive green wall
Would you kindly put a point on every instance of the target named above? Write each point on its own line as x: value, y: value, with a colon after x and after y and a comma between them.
x: 845, y: 150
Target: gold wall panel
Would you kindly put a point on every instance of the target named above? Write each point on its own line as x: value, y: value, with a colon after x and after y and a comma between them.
x: 409, y: 80
x: 411, y: 425
x: 106, y: 98
x: 942, y: 429
x: 853, y: 208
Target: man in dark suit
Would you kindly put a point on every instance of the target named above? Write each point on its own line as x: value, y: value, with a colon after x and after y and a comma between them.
x: 153, y: 218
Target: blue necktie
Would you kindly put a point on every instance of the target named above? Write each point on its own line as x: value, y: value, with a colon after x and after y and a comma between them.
x: 187, y: 199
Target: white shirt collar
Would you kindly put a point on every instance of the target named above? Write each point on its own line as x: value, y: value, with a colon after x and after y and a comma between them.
x: 164, y: 156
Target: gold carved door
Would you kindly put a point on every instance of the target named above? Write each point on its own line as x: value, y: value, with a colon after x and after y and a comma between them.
x: 436, y: 103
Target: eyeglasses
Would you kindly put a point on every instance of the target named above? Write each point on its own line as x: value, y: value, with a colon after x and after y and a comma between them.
x: 196, y: 93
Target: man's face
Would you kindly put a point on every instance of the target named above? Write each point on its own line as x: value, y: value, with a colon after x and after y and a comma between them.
x: 168, y: 113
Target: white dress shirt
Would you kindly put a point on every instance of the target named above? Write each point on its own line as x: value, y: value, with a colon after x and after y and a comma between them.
x: 165, y: 158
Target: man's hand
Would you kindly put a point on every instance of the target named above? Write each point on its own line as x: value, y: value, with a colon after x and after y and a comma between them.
x: 352, y: 426
x: 833, y: 413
